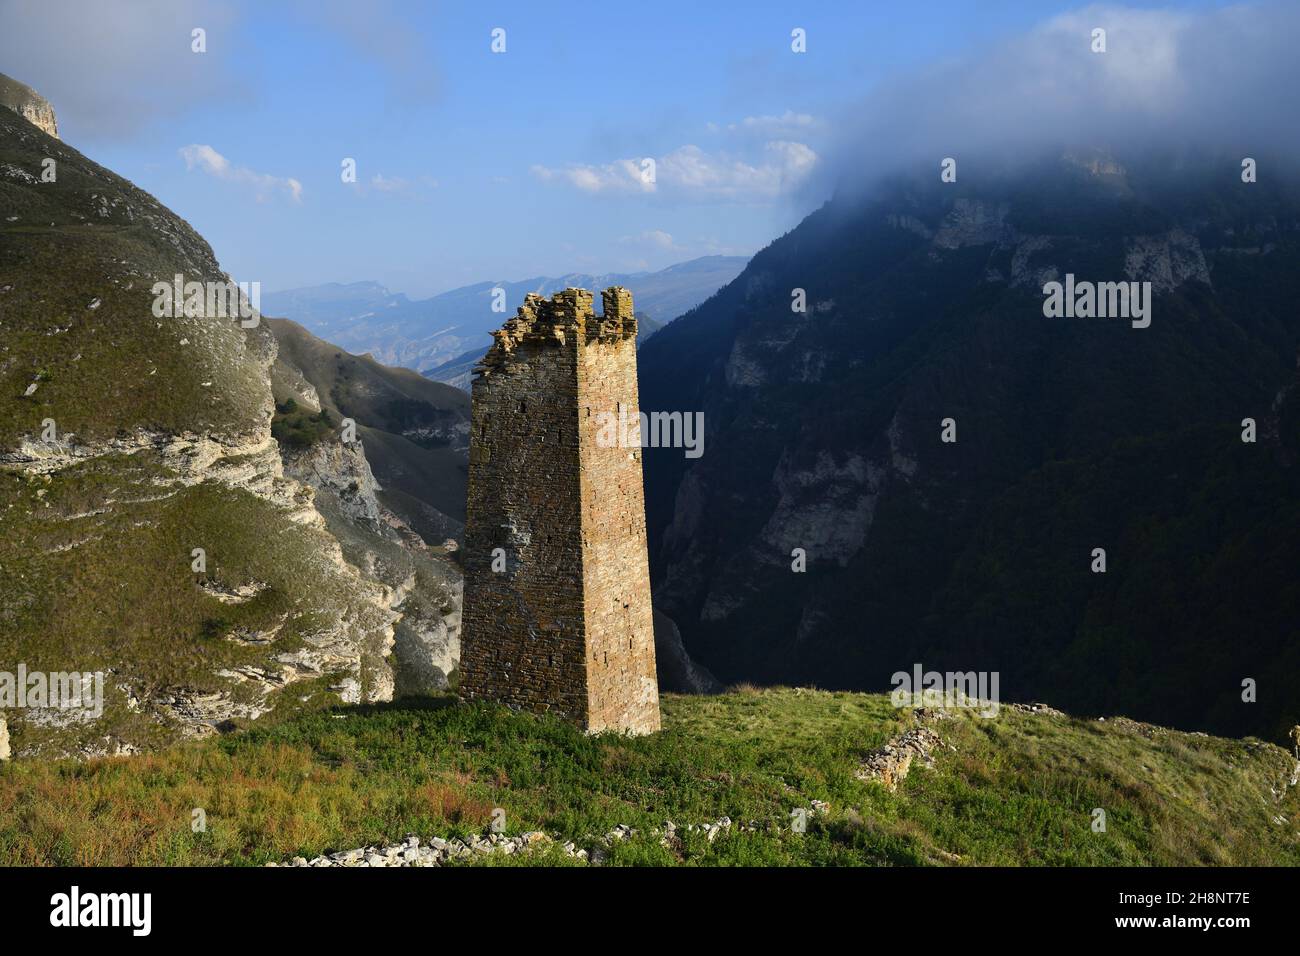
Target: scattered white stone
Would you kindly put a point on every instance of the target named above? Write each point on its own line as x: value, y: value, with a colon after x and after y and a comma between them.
x: 412, y: 852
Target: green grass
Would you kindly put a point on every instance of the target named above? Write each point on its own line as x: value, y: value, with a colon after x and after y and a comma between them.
x: 77, y: 265
x: 1017, y: 789
x: 300, y: 428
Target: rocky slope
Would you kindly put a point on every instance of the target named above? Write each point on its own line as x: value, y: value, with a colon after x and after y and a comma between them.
x: 423, y: 582
x: 415, y: 432
x: 924, y: 303
x: 148, y: 530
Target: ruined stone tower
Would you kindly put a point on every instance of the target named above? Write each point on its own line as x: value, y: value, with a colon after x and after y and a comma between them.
x: 557, y: 613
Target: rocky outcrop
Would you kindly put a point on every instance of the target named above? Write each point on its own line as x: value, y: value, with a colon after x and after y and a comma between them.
x: 972, y: 222
x: 5, y: 752
x: 890, y: 764
x: 1166, y: 261
x: 421, y: 585
x: 415, y: 431
x: 824, y: 505
x: 341, y: 470
x: 397, y: 415
x: 28, y: 104
x: 188, y: 459
x: 338, y: 645
x: 426, y: 656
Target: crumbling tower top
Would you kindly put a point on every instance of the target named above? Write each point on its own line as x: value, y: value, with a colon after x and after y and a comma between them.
x: 565, y: 317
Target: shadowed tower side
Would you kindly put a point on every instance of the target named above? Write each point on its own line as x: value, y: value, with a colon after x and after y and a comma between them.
x: 557, y: 611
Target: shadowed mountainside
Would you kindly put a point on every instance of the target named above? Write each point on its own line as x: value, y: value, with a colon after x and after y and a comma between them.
x: 925, y: 303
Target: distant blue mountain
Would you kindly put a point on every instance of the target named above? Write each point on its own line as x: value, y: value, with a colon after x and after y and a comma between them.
x: 364, y: 317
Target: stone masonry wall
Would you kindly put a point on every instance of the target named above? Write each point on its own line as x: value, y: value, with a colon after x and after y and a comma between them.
x: 567, y: 626
x: 622, y: 691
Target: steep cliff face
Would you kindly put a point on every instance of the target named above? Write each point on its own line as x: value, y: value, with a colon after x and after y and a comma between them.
x: 422, y: 584
x: 415, y: 432
x: 422, y: 581
x: 28, y: 104
x: 149, y: 532
x: 824, y: 434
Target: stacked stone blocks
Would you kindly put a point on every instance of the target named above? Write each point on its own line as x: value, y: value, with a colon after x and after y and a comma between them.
x: 557, y: 611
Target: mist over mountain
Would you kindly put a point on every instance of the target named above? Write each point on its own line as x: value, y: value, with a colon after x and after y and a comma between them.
x: 960, y: 192
x: 1159, y: 80
x: 825, y: 432
x: 422, y: 334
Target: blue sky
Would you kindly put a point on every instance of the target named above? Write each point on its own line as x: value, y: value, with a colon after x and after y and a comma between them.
x: 474, y: 165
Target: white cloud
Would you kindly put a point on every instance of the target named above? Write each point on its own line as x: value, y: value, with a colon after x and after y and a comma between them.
x: 204, y: 158
x: 622, y: 175
x: 112, y: 68
x: 655, y: 238
x: 659, y: 238
x: 786, y: 125
x: 1210, y: 77
x: 655, y: 248
x: 691, y: 173
x: 395, y: 186
x: 782, y: 165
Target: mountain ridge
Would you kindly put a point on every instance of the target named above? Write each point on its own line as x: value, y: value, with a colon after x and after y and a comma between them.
x: 366, y: 318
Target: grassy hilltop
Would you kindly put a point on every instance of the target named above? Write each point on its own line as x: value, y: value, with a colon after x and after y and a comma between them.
x: 1019, y: 788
